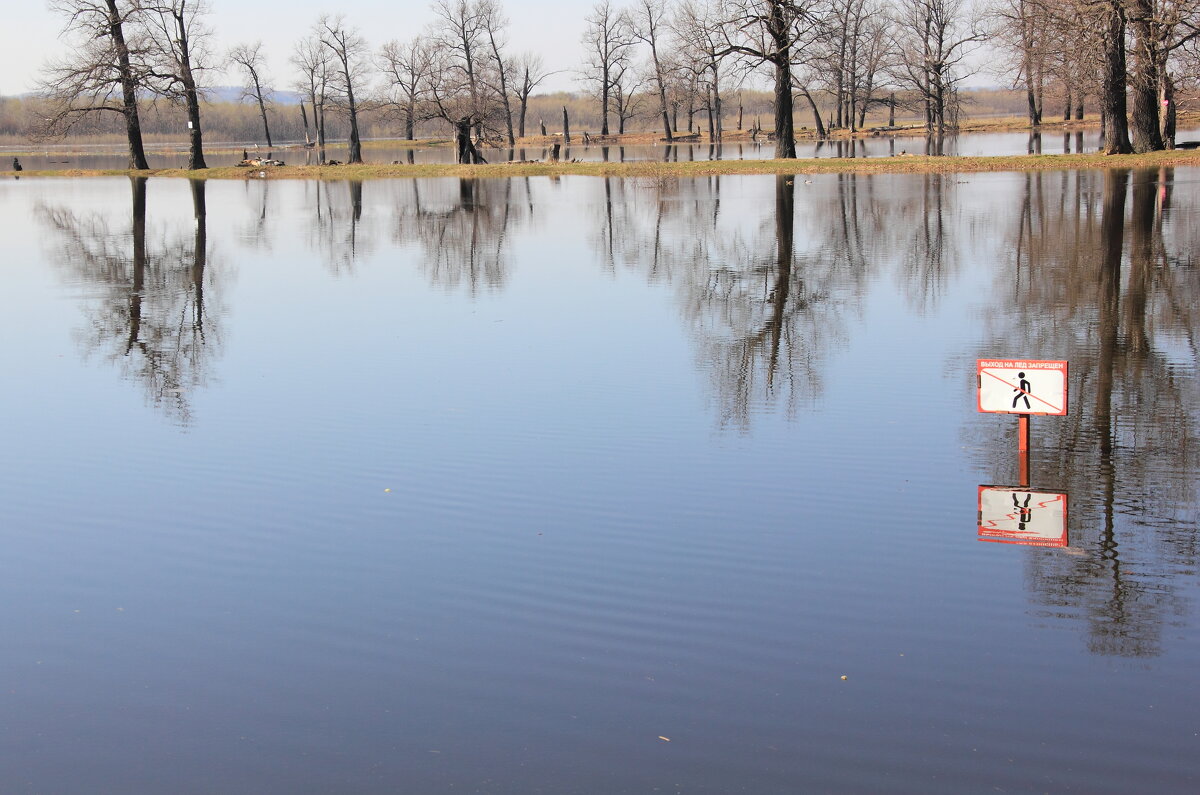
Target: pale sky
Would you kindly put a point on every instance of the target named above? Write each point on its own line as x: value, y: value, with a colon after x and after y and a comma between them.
x: 30, y: 33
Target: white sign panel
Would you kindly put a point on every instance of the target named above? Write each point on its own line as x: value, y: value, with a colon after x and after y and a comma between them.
x: 1016, y: 386
x: 1017, y: 515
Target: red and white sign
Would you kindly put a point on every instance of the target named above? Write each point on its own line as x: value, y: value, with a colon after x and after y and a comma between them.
x: 1018, y: 515
x: 1017, y: 386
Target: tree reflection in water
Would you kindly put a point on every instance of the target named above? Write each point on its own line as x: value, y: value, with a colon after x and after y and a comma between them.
x: 153, y: 312
x: 462, y: 227
x: 766, y: 306
x: 1104, y: 276
x: 337, y: 232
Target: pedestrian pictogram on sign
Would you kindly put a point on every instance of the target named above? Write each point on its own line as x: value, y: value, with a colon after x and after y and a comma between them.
x: 1019, y: 515
x: 1015, y: 386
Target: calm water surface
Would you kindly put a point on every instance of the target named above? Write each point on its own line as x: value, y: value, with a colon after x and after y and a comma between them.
x: 586, y: 485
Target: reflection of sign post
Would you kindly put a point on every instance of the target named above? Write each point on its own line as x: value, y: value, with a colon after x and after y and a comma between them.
x: 1014, y: 386
x: 1009, y: 515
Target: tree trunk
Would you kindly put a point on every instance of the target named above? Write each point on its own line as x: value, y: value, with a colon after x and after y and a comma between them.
x: 1035, y: 118
x: 716, y: 93
x: 815, y: 111
x: 660, y: 84
x: 712, y: 127
x: 319, y: 122
x: 1145, y: 83
x: 1114, y: 126
x: 464, y: 149
x: 839, y: 85
x: 785, y: 134
x: 567, y: 125
x: 129, y: 109
x: 603, y: 104
x: 1168, y: 103
x: 462, y: 141
x: 190, y: 96
x: 355, y: 148
x: 508, y: 120
x: 262, y: 111
x: 939, y: 105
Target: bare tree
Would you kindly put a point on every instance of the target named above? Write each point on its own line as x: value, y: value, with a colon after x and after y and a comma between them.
x: 628, y: 91
x: 178, y: 34
x: 771, y: 32
x: 312, y: 59
x: 493, y: 24
x: 405, y: 66
x: 250, y: 60
x: 469, y: 82
x: 852, y: 56
x: 648, y: 26
x: 349, y: 53
x: 875, y: 53
x: 697, y: 25
x: 1024, y: 29
x: 454, y: 87
x: 103, y: 72
x: 530, y: 73
x: 607, y: 36
x: 935, y: 38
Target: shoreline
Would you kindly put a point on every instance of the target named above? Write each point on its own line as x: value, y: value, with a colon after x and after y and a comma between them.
x: 901, y: 164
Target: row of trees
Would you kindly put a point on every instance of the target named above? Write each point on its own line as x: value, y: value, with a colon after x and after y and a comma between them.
x: 125, y: 53
x: 1090, y: 43
x: 655, y: 58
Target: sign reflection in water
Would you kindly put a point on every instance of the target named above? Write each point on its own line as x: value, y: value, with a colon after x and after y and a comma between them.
x: 1017, y: 515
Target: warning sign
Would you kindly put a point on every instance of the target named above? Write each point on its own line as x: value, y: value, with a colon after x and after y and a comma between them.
x: 1018, y: 515
x: 1015, y: 386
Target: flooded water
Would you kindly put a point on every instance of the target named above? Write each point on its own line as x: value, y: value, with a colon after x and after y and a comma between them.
x: 966, y: 144
x: 588, y: 485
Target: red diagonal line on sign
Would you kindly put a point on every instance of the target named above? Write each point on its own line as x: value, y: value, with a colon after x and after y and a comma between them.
x: 1022, y: 391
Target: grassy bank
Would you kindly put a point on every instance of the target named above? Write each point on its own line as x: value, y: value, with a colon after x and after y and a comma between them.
x: 873, y: 165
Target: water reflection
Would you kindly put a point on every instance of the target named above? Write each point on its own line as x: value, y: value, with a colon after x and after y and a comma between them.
x: 765, y: 312
x: 1103, y: 275
x: 152, y: 313
x: 335, y: 229
x: 462, y: 227
x: 471, y: 500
